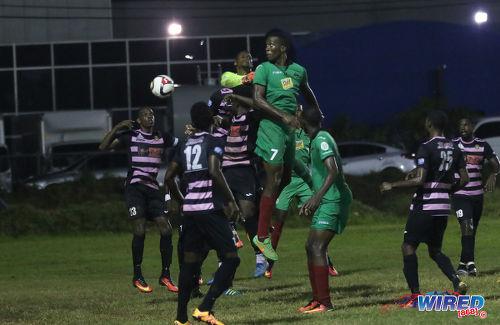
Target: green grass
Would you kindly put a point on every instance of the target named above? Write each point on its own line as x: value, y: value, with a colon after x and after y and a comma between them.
x: 86, y: 279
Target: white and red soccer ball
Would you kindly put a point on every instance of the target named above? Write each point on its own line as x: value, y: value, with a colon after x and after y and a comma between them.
x: 162, y: 86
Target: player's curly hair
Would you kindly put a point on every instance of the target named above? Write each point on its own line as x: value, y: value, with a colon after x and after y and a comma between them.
x: 438, y: 119
x: 287, y: 40
x: 201, y: 116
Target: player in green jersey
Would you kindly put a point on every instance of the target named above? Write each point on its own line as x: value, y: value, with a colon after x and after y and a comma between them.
x: 297, y: 188
x: 277, y: 84
x: 244, y: 74
x: 329, y: 207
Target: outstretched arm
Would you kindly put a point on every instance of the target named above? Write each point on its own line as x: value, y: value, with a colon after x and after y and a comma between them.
x: 309, y: 96
x: 492, y: 178
x: 417, y: 179
x: 108, y: 143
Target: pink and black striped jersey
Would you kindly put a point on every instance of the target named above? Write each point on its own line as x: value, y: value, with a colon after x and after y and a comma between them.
x: 146, y: 152
x: 192, y: 156
x: 475, y: 153
x: 240, y: 141
x: 440, y: 157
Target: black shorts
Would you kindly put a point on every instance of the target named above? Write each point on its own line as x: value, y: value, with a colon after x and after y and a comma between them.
x: 210, y: 229
x: 423, y: 227
x: 468, y: 207
x: 144, y: 202
x: 242, y: 181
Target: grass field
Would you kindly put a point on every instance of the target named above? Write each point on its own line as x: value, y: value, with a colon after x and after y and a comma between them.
x: 86, y: 279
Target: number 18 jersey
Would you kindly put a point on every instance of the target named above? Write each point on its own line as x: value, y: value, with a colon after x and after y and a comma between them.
x: 201, y: 196
x: 440, y: 157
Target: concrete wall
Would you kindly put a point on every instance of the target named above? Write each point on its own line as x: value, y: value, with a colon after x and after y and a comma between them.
x: 34, y: 21
x: 149, y: 18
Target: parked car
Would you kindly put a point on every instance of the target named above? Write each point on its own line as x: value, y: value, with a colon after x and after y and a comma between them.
x: 100, y: 164
x: 489, y: 130
x: 363, y: 157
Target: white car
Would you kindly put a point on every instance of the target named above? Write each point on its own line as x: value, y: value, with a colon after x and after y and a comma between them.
x: 489, y: 130
x: 363, y: 157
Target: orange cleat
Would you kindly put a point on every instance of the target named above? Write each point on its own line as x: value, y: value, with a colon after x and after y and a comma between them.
x: 167, y: 282
x: 142, y: 285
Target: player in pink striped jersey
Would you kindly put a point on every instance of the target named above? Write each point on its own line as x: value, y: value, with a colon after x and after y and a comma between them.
x: 437, y: 160
x: 468, y: 202
x: 146, y: 148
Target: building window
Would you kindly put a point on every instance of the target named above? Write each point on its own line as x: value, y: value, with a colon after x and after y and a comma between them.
x: 67, y: 54
x: 226, y: 48
x: 33, y: 55
x: 6, y: 57
x: 35, y: 90
x: 188, y: 49
x: 148, y: 51
x: 110, y: 87
x: 108, y: 52
x: 140, y: 80
x: 72, y: 88
x: 7, y: 85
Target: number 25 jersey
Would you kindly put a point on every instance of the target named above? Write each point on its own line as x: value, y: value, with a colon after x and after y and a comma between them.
x: 440, y: 157
x: 201, y: 196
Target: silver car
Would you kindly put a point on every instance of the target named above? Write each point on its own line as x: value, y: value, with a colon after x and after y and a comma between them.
x: 364, y: 157
x: 100, y: 164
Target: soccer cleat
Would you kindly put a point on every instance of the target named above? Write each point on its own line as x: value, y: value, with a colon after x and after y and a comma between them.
x: 332, y: 271
x: 266, y: 248
x: 461, y: 269
x: 471, y: 269
x: 206, y: 317
x: 142, y: 285
x: 460, y: 288
x: 232, y: 292
x: 319, y: 309
x: 269, y: 270
x: 167, y: 282
x: 260, y: 269
x: 312, y: 304
x: 236, y: 238
x: 176, y: 322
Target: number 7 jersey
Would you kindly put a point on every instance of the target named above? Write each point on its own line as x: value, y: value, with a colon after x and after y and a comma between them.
x: 201, y: 196
x: 441, y: 158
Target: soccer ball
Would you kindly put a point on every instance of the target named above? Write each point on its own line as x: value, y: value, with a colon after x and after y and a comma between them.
x: 162, y: 86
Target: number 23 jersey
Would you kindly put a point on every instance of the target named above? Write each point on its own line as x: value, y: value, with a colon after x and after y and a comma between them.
x: 201, y: 196
x: 440, y: 157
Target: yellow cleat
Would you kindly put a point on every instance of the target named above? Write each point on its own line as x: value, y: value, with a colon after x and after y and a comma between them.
x: 206, y: 317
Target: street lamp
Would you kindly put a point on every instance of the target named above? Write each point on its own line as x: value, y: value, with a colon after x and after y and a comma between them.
x: 480, y: 17
x: 174, y: 29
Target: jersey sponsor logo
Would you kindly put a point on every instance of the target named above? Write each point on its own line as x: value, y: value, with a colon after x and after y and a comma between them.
x: 474, y: 159
x: 235, y: 131
x: 324, y: 146
x: 287, y: 83
x: 299, y: 144
x: 143, y: 151
x: 155, y: 152
x: 420, y: 161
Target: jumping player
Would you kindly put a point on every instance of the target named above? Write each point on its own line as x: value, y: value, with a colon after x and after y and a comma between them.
x: 146, y: 148
x: 437, y: 161
x: 199, y: 159
x: 276, y: 86
x: 244, y: 74
x: 328, y: 206
x: 468, y: 202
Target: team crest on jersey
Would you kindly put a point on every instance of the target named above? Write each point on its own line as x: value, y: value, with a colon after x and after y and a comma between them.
x: 287, y: 83
x: 477, y: 147
x: 299, y: 144
x: 156, y: 138
x: 324, y: 146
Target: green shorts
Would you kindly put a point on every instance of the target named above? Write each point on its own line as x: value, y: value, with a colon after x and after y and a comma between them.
x: 275, y: 143
x: 331, y: 216
x: 297, y: 188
